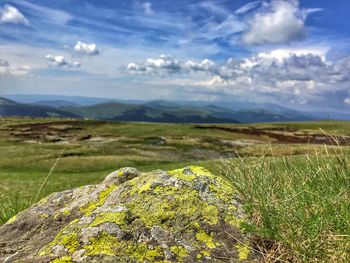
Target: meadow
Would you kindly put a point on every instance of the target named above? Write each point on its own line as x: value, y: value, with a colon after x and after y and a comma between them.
x: 293, y: 178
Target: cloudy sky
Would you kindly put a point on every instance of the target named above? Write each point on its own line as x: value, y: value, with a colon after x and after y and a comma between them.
x: 290, y: 52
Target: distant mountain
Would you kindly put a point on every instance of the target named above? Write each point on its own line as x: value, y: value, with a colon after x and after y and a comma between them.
x: 262, y: 115
x: 164, y: 111
x: 4, y: 101
x: 57, y: 103
x: 78, y: 100
x: 152, y: 111
x: 331, y: 115
x: 11, y: 108
x: 240, y: 113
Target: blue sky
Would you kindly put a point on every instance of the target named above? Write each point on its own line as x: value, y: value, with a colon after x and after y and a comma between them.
x: 289, y: 52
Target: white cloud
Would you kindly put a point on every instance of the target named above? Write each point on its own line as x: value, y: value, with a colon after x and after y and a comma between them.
x: 7, y: 69
x: 299, y: 75
x: 147, y: 8
x: 11, y: 15
x: 347, y: 101
x: 283, y: 53
x: 204, y: 65
x: 165, y: 64
x: 213, y: 8
x: 281, y: 21
x: 224, y: 29
x: 4, y: 66
x: 20, y: 71
x: 47, y: 15
x: 313, y: 10
x: 4, y: 63
x: 86, y: 49
x: 133, y: 67
x: 168, y: 65
x: 60, y: 62
x: 247, y: 7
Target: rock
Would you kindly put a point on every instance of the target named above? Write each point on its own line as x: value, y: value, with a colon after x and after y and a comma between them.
x: 184, y: 215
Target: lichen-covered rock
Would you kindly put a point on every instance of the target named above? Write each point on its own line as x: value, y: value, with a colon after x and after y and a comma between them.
x: 185, y: 215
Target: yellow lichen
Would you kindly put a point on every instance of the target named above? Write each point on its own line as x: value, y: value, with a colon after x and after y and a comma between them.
x: 222, y: 190
x: 104, y: 244
x: 12, y: 219
x: 210, y: 214
x: 45, y: 251
x: 196, y: 170
x: 179, y: 173
x: 145, y: 187
x: 74, y: 221
x: 66, y: 237
x: 180, y: 252
x: 142, y: 253
x: 43, y: 201
x: 174, y: 207
x: 243, y: 251
x: 87, y: 210
x: 44, y: 215
x: 132, y: 182
x: 116, y: 217
x: 167, y: 203
x: 233, y: 220
x: 153, y: 254
x: 156, y: 209
x: 200, y: 171
x: 158, y: 213
x: 65, y: 259
x: 70, y: 241
x: 140, y: 185
x: 202, y: 236
x: 203, y: 253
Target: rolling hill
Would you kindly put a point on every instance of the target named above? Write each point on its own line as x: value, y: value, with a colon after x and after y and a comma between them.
x: 152, y: 111
x: 12, y: 108
x: 163, y: 111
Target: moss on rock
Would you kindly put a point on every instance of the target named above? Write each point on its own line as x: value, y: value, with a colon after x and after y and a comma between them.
x: 12, y: 219
x: 96, y: 203
x: 207, y: 239
x: 243, y: 251
x: 104, y: 244
x: 184, y: 215
x: 118, y: 218
x: 64, y: 259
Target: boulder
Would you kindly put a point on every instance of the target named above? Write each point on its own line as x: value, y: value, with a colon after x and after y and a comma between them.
x: 184, y: 215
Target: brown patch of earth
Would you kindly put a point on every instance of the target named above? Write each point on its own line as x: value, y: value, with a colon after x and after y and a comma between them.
x: 284, y: 135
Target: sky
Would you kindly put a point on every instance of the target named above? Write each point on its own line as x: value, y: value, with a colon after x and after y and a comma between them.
x: 289, y: 52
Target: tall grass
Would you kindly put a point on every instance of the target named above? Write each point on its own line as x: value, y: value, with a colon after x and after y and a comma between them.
x: 15, y: 202
x: 299, y: 206
x: 11, y: 205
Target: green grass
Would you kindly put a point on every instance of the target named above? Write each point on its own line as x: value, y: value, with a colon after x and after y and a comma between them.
x: 299, y: 207
x: 11, y: 205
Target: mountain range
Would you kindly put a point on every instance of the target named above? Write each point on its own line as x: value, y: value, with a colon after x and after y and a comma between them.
x: 152, y: 111
x: 12, y: 108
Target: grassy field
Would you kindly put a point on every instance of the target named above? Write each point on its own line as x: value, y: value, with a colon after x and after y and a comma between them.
x: 299, y: 206
x: 295, y: 188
